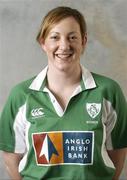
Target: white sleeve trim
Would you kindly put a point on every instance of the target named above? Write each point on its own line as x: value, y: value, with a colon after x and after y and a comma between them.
x: 109, y: 118
x: 20, y: 125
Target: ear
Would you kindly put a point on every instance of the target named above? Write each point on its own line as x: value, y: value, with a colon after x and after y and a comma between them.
x: 42, y: 44
x: 84, y: 41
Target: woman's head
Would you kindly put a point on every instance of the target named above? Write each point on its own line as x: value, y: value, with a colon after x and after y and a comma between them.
x: 55, y: 16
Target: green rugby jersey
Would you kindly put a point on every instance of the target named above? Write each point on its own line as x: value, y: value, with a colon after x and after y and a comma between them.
x: 70, y: 144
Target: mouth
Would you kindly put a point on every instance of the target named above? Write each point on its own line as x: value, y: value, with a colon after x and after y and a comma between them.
x: 63, y: 56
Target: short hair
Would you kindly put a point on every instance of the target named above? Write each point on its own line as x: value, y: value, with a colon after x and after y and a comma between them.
x: 56, y: 15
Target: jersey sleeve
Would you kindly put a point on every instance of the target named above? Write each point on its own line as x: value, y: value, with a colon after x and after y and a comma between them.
x: 118, y: 114
x: 12, y: 124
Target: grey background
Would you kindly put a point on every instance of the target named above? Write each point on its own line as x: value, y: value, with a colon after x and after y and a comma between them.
x: 21, y: 57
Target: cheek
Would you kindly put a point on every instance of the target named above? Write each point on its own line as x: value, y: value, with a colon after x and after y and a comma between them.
x: 78, y: 46
x: 79, y: 49
x: 50, y: 47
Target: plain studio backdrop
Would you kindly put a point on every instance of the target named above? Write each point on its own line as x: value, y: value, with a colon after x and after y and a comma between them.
x: 21, y: 57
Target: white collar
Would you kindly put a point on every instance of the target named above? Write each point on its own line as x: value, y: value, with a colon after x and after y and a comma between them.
x: 87, y: 78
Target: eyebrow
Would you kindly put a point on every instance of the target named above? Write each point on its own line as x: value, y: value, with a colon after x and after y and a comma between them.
x: 73, y: 32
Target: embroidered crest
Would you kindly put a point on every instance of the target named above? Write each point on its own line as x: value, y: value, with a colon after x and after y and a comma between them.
x: 93, y: 109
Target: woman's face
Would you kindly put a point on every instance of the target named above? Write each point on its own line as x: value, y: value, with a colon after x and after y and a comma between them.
x: 64, y: 44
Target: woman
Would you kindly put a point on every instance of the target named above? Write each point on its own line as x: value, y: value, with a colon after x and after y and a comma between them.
x: 65, y: 123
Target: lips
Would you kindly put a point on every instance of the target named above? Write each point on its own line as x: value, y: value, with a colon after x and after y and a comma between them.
x: 63, y: 55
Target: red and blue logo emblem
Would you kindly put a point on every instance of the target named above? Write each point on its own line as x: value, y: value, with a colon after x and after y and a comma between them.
x: 68, y: 147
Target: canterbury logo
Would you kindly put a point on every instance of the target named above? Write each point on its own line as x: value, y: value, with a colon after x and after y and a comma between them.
x: 37, y: 112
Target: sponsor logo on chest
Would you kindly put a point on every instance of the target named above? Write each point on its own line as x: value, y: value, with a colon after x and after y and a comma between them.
x: 53, y: 148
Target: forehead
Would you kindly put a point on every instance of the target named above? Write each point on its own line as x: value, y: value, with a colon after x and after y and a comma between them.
x: 68, y: 24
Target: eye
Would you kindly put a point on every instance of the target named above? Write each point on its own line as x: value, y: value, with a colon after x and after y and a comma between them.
x: 54, y: 37
x: 72, y: 38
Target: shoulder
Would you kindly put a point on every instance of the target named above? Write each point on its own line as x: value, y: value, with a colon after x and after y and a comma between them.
x: 23, y: 87
x: 19, y: 92
x: 105, y: 82
x: 110, y: 89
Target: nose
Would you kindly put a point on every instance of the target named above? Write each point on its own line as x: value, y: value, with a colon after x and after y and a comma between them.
x: 64, y: 44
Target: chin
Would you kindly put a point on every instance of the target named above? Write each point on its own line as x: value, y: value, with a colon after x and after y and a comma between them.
x: 63, y: 67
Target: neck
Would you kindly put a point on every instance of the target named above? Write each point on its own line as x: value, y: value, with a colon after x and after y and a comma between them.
x: 58, y: 79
